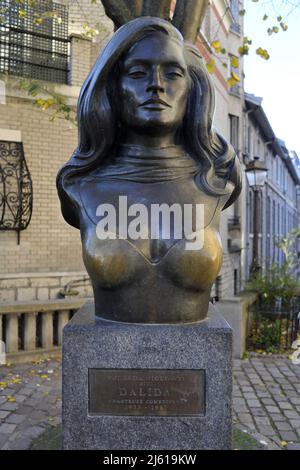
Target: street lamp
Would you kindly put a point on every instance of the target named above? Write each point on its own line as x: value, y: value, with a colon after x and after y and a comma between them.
x: 256, y: 172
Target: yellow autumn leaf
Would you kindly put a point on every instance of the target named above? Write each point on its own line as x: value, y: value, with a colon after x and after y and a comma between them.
x: 216, y: 45
x: 44, y: 376
x: 3, y: 384
x: 11, y: 399
x: 38, y: 21
x: 22, y: 13
x: 235, y: 77
x: 211, y: 65
x: 231, y: 82
x: 234, y: 61
x: 283, y: 443
x: 16, y: 381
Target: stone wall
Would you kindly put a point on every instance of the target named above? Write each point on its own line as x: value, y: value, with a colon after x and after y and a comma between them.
x: 43, y: 286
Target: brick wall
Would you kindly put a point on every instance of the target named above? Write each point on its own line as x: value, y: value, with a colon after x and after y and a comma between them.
x: 48, y: 244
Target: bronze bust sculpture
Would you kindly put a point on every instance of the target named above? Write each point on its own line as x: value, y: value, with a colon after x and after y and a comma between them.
x: 146, y: 138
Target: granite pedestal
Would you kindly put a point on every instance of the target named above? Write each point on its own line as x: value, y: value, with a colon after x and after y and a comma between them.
x: 146, y: 386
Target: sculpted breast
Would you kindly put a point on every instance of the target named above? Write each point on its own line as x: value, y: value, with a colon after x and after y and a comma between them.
x: 196, y: 269
x: 116, y: 263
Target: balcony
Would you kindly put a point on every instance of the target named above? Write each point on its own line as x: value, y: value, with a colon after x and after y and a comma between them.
x: 234, y: 223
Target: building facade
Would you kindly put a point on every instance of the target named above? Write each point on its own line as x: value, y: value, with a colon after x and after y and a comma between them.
x: 224, y: 24
x: 56, y: 54
x: 44, y: 259
x: 279, y: 203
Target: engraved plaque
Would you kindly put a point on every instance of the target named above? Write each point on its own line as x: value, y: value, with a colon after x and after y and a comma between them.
x: 141, y: 392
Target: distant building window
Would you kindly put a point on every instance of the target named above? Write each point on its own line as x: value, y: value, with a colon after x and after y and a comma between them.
x: 249, y: 142
x: 235, y: 89
x: 234, y: 131
x: 235, y: 11
x: 15, y: 188
x: 34, y: 40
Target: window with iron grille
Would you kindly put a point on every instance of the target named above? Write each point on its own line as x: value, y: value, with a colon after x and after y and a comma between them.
x: 235, y: 11
x: 15, y: 188
x: 34, y: 40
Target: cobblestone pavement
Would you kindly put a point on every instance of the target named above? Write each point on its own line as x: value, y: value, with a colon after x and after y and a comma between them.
x: 30, y: 401
x: 266, y: 400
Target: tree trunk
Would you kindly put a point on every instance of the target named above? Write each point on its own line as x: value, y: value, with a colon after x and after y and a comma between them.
x: 156, y: 8
x: 135, y: 7
x: 188, y: 17
x: 188, y: 14
x: 117, y: 11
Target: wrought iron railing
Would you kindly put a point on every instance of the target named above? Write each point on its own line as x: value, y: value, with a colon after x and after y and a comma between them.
x: 15, y: 188
x: 273, y: 328
x: 34, y: 40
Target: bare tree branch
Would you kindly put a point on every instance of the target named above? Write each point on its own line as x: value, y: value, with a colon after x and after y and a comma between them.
x: 188, y: 17
x: 117, y: 11
x: 154, y: 8
x: 135, y: 7
x: 178, y: 14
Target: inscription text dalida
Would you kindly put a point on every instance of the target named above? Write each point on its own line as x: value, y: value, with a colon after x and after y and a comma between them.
x: 148, y: 392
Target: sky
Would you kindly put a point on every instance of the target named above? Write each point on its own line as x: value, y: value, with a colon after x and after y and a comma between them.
x: 276, y: 80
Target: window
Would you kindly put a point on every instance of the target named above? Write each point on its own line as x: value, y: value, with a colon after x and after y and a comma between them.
x: 234, y: 131
x: 234, y: 7
x: 15, y: 188
x: 249, y: 142
x: 34, y: 40
x: 233, y: 68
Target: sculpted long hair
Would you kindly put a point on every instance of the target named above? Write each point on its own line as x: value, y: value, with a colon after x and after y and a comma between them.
x: 100, y: 130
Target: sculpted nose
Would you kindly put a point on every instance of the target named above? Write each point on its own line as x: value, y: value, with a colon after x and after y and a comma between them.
x: 155, y: 83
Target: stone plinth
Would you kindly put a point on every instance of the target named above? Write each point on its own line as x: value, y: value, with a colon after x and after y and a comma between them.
x: 196, y: 355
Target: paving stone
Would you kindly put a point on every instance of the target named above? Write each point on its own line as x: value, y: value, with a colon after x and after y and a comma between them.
x: 295, y: 401
x: 241, y: 408
x: 295, y: 423
x: 258, y: 412
x: 267, y: 431
x: 262, y: 421
x: 239, y: 401
x: 3, y: 414
x: 273, y: 409
x: 283, y: 426
x: 254, y: 403
x: 245, y: 417
x: 3, y: 439
x: 263, y: 394
x: 291, y: 414
x: 7, y: 428
x: 8, y: 406
x: 288, y: 436
x: 285, y: 405
x: 250, y: 396
x: 268, y: 401
x: 277, y: 417
x: 15, y: 418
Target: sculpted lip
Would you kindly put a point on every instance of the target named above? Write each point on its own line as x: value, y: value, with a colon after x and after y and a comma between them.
x: 155, y: 101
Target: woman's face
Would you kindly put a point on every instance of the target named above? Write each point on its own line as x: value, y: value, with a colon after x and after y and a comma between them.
x: 154, y: 85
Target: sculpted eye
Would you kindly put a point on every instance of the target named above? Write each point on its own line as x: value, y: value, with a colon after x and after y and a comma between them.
x: 174, y: 74
x: 136, y: 73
